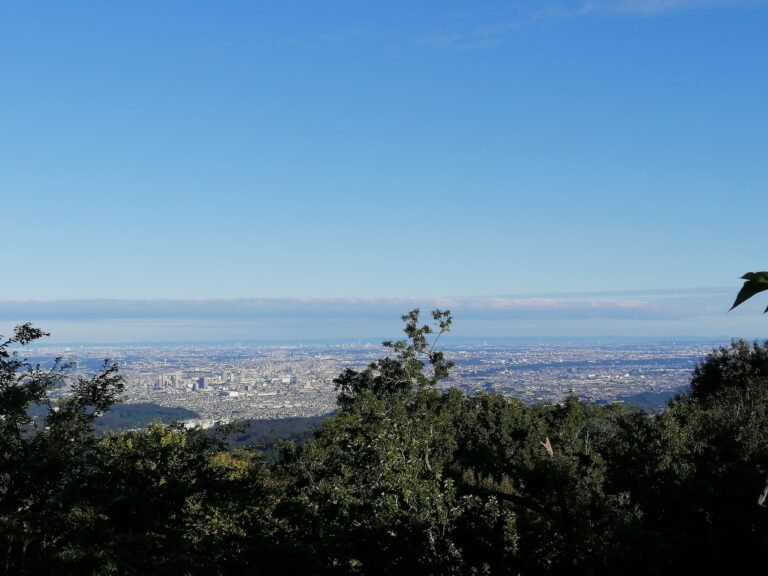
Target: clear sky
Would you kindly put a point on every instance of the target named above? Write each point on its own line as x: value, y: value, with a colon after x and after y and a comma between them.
x: 341, y: 150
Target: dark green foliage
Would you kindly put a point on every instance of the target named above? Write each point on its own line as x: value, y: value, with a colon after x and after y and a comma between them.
x: 416, y: 364
x: 740, y: 370
x: 726, y: 417
x: 267, y: 435
x: 161, y: 501
x: 652, y: 401
x: 176, y: 502
x: 373, y: 485
x: 370, y: 493
x: 140, y: 415
x: 44, y: 464
x: 403, y: 479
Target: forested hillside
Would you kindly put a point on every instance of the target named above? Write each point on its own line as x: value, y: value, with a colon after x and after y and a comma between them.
x: 403, y: 479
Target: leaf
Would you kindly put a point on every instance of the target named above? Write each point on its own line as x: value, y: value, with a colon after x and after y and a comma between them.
x: 756, y: 276
x: 756, y: 282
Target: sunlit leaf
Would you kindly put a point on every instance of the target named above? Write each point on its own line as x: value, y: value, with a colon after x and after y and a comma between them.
x: 756, y: 282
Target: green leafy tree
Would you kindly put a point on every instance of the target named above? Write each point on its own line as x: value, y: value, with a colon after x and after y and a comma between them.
x: 548, y: 464
x: 45, y: 462
x: 175, y: 501
x: 729, y: 401
x: 696, y: 473
x: 370, y: 494
x: 416, y: 364
x: 160, y: 501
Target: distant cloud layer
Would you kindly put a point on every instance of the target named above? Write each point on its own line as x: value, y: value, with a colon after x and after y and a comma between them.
x: 659, y: 313
x: 578, y: 306
x: 484, y: 33
x: 642, y: 7
x: 658, y: 6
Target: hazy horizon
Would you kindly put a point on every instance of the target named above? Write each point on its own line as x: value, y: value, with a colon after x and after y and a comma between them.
x: 653, y: 314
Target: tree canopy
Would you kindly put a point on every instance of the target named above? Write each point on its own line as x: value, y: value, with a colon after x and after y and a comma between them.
x: 408, y: 477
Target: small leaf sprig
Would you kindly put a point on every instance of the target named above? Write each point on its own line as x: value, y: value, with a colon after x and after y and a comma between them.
x: 755, y: 282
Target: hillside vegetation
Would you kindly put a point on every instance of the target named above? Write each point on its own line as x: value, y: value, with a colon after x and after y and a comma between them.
x: 403, y: 479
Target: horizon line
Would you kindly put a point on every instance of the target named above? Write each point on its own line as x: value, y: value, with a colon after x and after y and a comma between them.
x: 308, y: 299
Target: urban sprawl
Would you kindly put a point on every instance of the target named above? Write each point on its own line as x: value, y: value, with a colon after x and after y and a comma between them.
x: 229, y: 382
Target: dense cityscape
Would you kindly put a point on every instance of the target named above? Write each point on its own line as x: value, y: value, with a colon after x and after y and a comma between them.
x: 222, y: 383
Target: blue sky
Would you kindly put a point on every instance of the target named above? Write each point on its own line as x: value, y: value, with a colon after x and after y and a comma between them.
x: 159, y: 151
